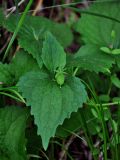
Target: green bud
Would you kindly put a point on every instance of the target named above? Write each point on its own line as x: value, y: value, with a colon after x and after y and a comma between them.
x: 113, y: 34
x: 60, y: 78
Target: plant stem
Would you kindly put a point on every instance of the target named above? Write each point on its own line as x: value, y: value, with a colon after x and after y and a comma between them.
x: 11, y: 96
x: 105, y: 104
x: 75, y: 71
x: 10, y: 89
x: 101, y: 114
x: 115, y: 139
x: 87, y: 135
x: 109, y: 90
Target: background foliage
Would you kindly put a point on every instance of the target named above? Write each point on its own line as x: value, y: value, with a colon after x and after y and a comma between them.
x: 59, y: 81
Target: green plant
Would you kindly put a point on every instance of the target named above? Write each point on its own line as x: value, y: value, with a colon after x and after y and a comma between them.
x: 58, y: 93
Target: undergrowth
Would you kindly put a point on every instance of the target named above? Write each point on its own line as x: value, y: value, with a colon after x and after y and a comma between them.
x: 53, y: 98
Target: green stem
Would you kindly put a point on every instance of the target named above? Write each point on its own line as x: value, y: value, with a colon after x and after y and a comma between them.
x: 11, y: 89
x: 75, y: 71
x: 115, y: 139
x: 118, y: 129
x: 109, y: 90
x: 101, y: 114
x: 87, y: 135
x: 104, y: 104
x: 17, y: 94
x: 11, y: 96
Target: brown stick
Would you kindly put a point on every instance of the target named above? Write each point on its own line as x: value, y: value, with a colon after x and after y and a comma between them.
x: 38, y: 7
x: 63, y: 152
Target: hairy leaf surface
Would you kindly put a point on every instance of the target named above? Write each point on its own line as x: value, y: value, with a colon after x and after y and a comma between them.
x: 49, y: 103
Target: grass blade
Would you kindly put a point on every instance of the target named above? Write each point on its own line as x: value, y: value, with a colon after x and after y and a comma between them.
x: 17, y: 29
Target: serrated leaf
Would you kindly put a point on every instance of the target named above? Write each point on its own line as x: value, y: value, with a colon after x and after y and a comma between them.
x: 12, y: 133
x: 22, y: 63
x: 41, y: 23
x: 96, y: 29
x: 31, y: 34
x: 53, y: 54
x: 70, y: 125
x: 49, y: 103
x: 89, y: 57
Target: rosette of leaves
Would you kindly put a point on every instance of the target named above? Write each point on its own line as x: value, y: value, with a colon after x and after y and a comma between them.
x: 52, y: 94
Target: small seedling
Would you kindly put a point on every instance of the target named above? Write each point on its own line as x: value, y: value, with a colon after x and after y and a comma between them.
x: 111, y: 49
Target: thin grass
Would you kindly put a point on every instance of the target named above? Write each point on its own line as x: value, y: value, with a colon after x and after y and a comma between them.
x: 17, y: 29
x: 87, y: 135
x: 100, y: 112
